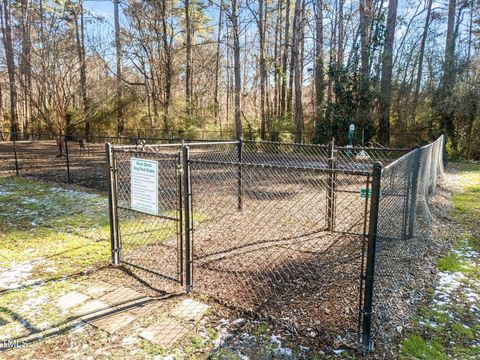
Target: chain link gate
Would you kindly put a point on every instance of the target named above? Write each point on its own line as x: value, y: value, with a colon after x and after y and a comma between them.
x: 151, y: 240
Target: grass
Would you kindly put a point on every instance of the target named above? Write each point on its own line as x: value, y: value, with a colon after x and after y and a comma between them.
x: 446, y: 329
x: 51, y: 240
x: 416, y: 347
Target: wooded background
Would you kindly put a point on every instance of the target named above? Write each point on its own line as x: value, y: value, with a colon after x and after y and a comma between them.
x: 283, y: 70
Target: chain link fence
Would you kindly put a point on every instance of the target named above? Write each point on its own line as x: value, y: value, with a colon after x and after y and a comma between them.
x: 404, y: 225
x: 308, y: 236
x: 314, y: 237
x: 64, y: 158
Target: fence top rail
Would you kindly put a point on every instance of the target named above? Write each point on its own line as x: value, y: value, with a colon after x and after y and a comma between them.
x: 402, y: 158
x: 386, y: 149
x: 324, y: 170
x: 153, y: 146
x: 327, y: 146
x: 286, y: 143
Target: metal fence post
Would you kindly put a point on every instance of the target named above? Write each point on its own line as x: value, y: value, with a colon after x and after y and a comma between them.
x: 371, y: 252
x: 240, y: 173
x: 413, y: 193
x: 332, y: 179
x: 187, y: 190
x: 444, y: 149
x: 112, y: 211
x: 65, y: 137
x: 15, y: 150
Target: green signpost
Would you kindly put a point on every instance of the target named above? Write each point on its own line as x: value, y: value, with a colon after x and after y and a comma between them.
x: 364, y: 193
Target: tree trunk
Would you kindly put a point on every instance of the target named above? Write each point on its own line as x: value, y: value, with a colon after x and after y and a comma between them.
x: 297, y: 34
x: 470, y: 30
x: 188, y: 60
x: 263, y: 71
x: 8, y: 45
x: 80, y: 37
x: 364, y: 113
x: 236, y: 67
x: 26, y: 68
x: 217, y: 69
x: 168, y: 68
x: 421, y: 55
x: 277, y: 44
x: 283, y: 97
x: 386, y: 81
x: 448, y: 80
x: 118, y: 50
x: 319, y: 66
x: 341, y: 34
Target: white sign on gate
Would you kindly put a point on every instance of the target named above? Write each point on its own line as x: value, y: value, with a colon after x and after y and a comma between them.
x: 144, y: 185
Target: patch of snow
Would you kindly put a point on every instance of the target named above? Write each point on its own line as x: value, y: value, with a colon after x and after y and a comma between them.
x: 242, y: 356
x: 11, y: 277
x: 74, y: 193
x: 44, y: 325
x: 222, y: 322
x: 338, y: 351
x: 79, y: 327
x: 284, y: 352
x: 276, y: 340
x: 167, y: 357
x: 239, y: 322
x: 246, y: 336
x: 33, y: 303
x: 131, y: 340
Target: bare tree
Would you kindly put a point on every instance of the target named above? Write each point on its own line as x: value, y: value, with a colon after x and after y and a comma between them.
x: 236, y: 67
x: 297, y: 35
x: 188, y: 60
x: 319, y: 66
x: 25, y: 67
x: 283, y: 97
x: 80, y: 42
x: 218, y: 121
x: 448, y: 80
x: 262, y: 68
x: 6, y: 21
x: 118, y: 50
x: 364, y: 112
x: 386, y: 81
x: 421, y: 55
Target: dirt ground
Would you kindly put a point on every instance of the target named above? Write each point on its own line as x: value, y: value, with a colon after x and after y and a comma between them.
x: 41, y: 160
x: 274, y: 258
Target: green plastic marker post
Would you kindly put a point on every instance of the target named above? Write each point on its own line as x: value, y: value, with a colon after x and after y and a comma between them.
x: 351, y: 132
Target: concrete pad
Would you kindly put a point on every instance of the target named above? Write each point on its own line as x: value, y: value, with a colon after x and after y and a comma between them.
x: 93, y: 308
x: 71, y: 299
x: 164, y: 333
x: 142, y: 309
x: 97, y: 289
x: 121, y: 295
x: 189, y: 310
x: 114, y: 322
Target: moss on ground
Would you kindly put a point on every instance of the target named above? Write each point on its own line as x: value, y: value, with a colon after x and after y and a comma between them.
x: 448, y: 327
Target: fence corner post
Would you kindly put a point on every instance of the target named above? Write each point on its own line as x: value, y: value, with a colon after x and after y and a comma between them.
x: 370, y: 265
x: 112, y: 204
x: 14, y: 138
x: 187, y: 188
x: 332, y: 179
x: 414, y: 191
x: 240, y: 173
x: 65, y: 138
x: 444, y: 149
